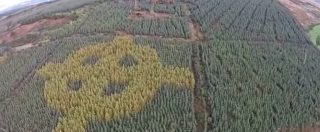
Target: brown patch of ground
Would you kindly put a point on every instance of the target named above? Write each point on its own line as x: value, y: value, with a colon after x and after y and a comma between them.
x: 194, y: 28
x: 200, y: 113
x: 121, y: 33
x: 23, y: 47
x: 307, y: 12
x: 195, y: 32
x: 22, y: 30
x: 311, y: 128
x: 2, y: 59
x: 147, y: 15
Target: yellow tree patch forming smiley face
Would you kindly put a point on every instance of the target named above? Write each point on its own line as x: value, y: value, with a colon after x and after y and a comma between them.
x: 143, y: 79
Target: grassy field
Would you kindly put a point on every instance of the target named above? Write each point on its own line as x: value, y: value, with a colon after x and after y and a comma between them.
x: 314, y: 33
x: 253, y: 69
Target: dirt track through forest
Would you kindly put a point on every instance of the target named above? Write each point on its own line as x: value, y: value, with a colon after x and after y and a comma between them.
x: 195, y: 35
x: 199, y: 104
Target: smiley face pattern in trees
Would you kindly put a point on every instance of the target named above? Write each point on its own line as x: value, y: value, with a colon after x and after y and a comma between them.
x: 144, y: 78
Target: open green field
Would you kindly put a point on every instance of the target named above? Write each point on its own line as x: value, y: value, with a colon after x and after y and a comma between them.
x: 314, y: 33
x: 186, y: 66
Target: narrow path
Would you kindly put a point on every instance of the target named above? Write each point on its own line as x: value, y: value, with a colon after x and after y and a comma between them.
x: 31, y: 73
x: 199, y: 104
x: 206, y: 84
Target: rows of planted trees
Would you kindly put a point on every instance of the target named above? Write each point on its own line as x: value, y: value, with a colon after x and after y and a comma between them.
x: 260, y: 69
x: 34, y: 114
x: 261, y: 86
x: 119, y: 63
x: 110, y: 17
x: 259, y: 20
x: 40, y: 113
x: 260, y: 73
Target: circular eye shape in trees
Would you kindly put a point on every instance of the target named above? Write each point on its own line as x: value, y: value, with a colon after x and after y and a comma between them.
x: 114, y: 88
x: 128, y: 61
x: 74, y: 85
x: 91, y: 60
